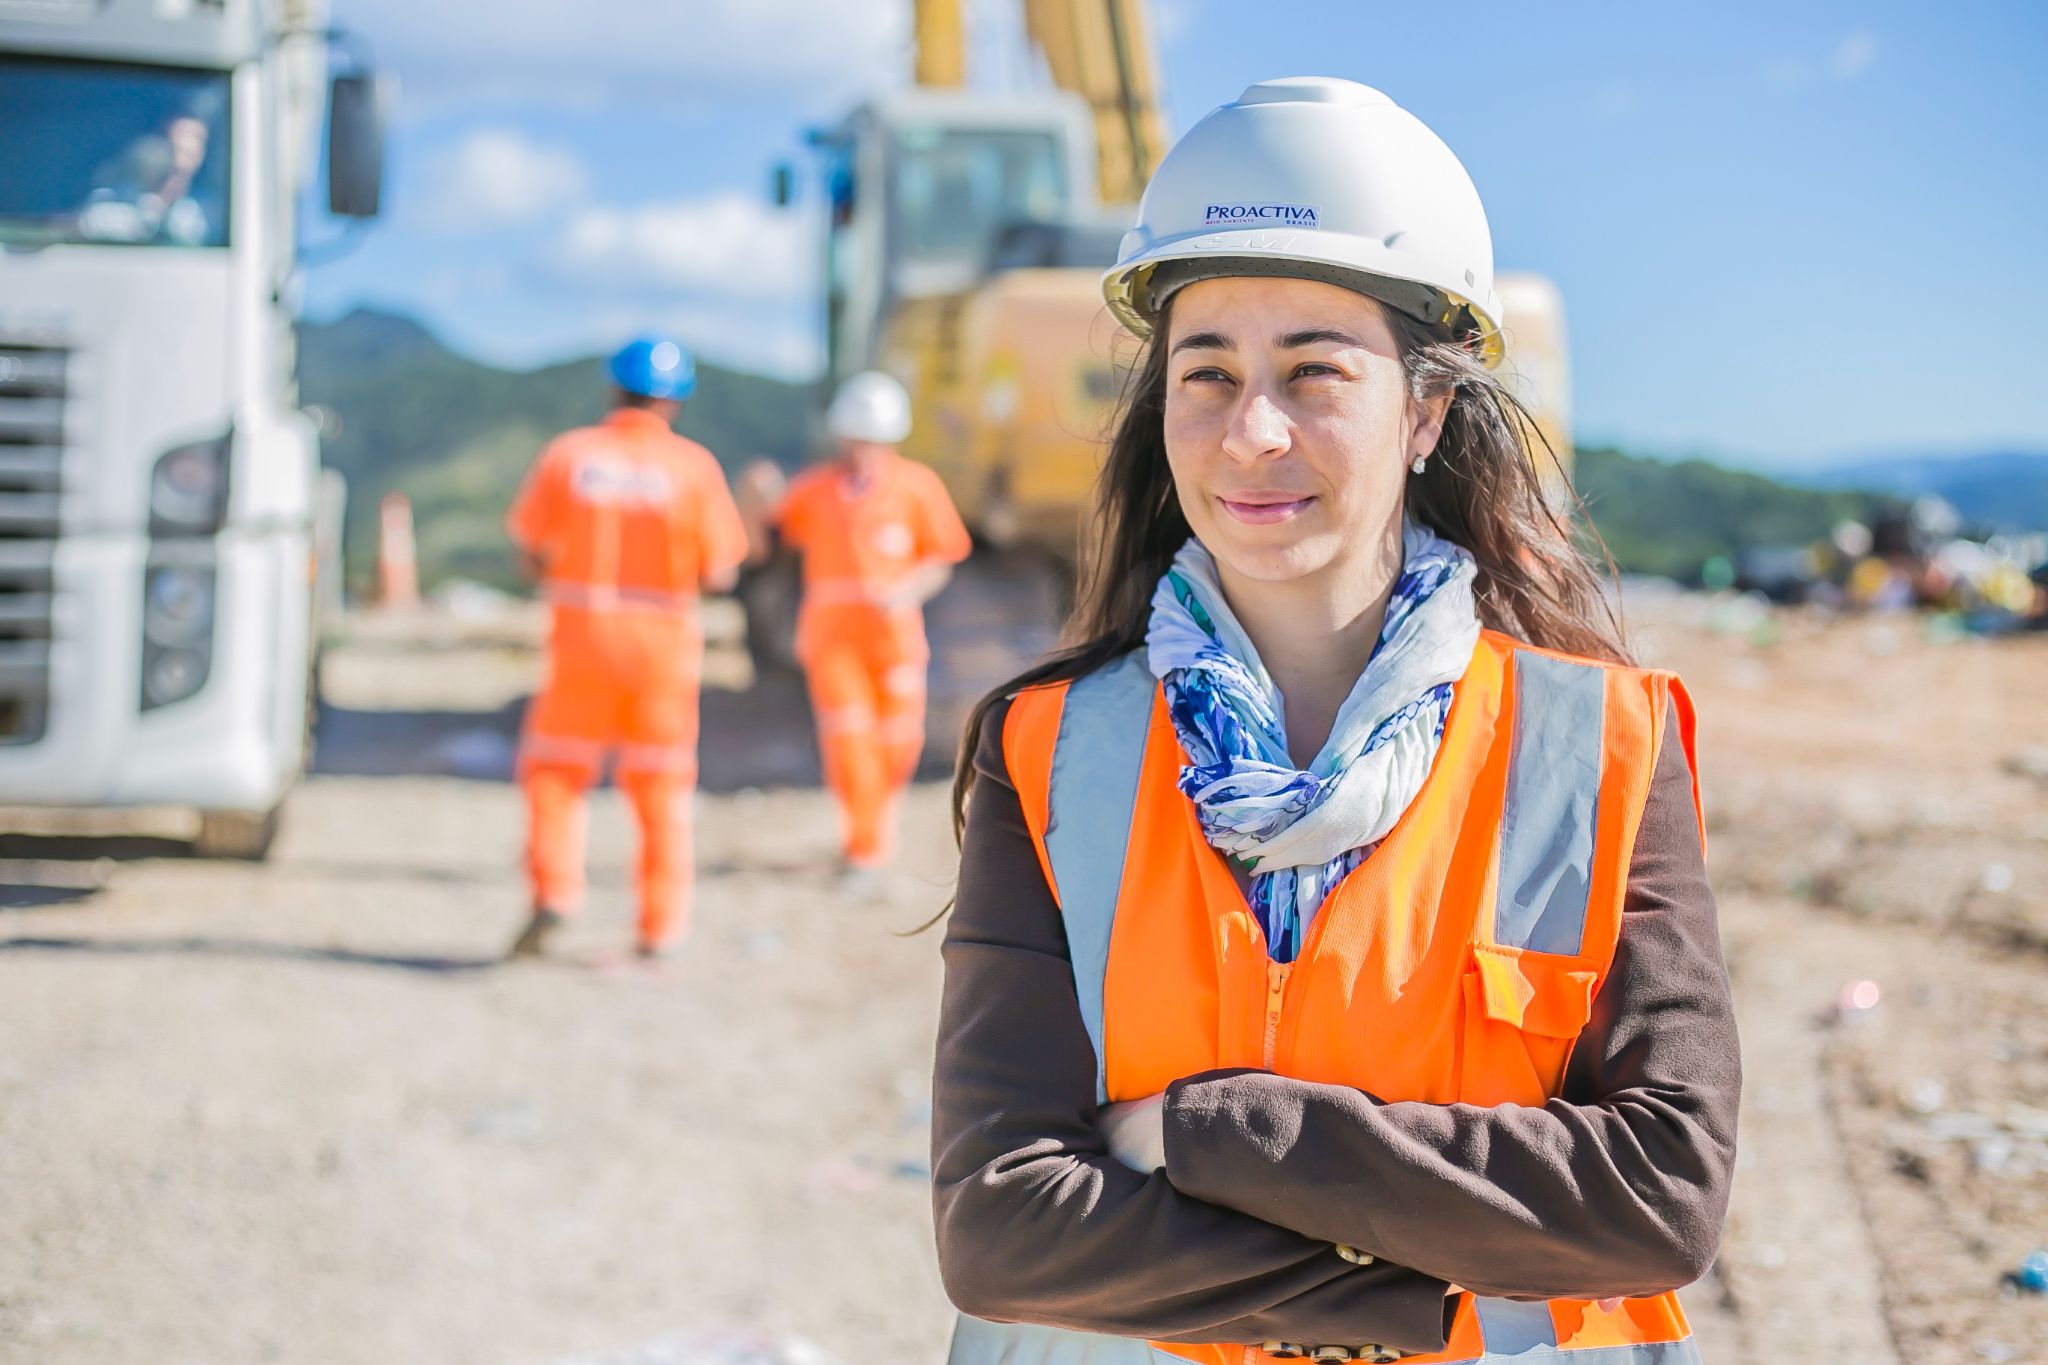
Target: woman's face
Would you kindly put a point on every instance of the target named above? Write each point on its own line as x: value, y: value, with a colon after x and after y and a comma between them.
x: 1288, y: 425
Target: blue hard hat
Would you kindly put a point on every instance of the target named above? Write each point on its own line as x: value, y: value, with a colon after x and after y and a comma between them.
x: 655, y: 366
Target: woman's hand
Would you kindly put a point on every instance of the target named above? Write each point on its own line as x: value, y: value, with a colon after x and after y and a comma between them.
x: 1136, y: 1132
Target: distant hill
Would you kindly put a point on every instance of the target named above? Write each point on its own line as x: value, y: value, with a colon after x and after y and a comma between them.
x: 456, y: 435
x: 2004, y: 489
x: 1669, y: 519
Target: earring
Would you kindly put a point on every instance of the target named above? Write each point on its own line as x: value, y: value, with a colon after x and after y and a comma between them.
x: 1420, y: 461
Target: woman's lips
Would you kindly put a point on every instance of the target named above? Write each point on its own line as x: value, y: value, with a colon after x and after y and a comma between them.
x: 1260, y: 509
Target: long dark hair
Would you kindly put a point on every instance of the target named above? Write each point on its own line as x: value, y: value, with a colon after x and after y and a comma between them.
x: 1483, y: 488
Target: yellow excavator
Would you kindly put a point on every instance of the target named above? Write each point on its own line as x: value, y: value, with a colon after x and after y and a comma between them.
x: 967, y: 232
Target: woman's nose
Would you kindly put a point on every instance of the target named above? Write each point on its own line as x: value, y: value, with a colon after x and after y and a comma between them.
x: 1257, y: 429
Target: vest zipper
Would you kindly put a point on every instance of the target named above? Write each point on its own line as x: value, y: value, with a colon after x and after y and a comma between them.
x: 1276, y: 986
x: 1276, y: 989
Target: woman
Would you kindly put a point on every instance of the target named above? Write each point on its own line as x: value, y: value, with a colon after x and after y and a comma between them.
x: 1334, y: 971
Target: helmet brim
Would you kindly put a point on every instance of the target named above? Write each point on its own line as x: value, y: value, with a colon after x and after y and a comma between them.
x: 1136, y: 289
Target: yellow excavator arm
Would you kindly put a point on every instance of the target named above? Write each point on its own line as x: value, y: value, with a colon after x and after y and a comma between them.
x: 1099, y: 50
x: 941, y: 44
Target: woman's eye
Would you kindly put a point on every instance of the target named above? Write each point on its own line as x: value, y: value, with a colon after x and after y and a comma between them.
x: 1204, y: 375
x: 1315, y: 370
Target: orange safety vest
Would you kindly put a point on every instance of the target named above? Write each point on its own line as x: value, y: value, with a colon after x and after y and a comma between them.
x: 1477, y: 934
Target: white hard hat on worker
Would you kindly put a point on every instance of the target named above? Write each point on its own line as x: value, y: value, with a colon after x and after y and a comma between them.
x: 1315, y: 178
x: 870, y: 407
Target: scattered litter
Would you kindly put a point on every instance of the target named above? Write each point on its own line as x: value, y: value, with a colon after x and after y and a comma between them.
x: 2026, y: 1120
x: 843, y: 1175
x: 2009, y: 1146
x: 1993, y: 1155
x: 1923, y: 1096
x: 1768, y: 1257
x: 1944, y: 628
x: 1911, y: 1165
x: 1997, y: 1352
x: 1881, y: 641
x: 1741, y: 614
x: 1856, y: 1000
x: 911, y: 1170
x: 467, y: 600
x: 761, y: 945
x: 515, y: 1121
x: 2031, y: 761
x: 1997, y: 878
x: 724, y: 1346
x: 2032, y: 1276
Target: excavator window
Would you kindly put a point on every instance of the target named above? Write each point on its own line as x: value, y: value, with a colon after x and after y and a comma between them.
x: 957, y: 187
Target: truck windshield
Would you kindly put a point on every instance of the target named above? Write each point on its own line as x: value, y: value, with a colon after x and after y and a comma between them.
x: 129, y: 155
x: 956, y: 187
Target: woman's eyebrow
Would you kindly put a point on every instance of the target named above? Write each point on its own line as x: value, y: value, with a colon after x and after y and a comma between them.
x: 1314, y: 335
x: 1203, y: 341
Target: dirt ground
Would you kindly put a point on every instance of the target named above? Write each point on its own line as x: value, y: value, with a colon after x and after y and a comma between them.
x: 296, y: 1113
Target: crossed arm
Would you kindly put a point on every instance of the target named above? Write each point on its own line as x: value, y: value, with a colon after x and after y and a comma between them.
x: 1618, y: 1187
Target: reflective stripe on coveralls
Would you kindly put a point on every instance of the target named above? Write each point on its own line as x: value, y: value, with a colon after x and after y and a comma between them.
x: 629, y: 519
x: 863, y: 659
x: 1525, y: 827
x: 611, y: 597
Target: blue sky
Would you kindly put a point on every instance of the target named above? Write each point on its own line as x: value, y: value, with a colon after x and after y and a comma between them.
x: 1784, y: 234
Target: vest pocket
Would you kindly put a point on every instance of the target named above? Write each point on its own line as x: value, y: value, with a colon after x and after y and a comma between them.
x: 1523, y: 1011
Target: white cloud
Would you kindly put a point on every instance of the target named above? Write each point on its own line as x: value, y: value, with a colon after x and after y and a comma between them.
x: 735, y: 277
x: 494, y: 177
x: 1846, y: 61
x: 729, y: 244
x: 1170, y: 19
x: 616, y: 51
x: 1853, y: 56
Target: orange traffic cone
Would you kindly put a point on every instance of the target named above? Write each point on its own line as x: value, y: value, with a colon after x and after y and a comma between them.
x: 398, y: 570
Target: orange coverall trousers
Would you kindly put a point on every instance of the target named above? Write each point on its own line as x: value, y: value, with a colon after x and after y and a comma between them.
x: 865, y: 667
x: 622, y: 682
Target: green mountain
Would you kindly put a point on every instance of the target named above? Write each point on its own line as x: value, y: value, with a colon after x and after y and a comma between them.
x: 2003, y: 489
x: 1669, y: 519
x: 456, y: 436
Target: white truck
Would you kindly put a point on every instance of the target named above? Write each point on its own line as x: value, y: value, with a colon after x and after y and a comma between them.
x: 161, y: 498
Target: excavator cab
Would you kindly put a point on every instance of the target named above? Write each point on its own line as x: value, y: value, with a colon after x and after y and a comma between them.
x: 920, y: 186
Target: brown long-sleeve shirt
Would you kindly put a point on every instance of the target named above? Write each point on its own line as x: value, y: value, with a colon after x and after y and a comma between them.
x: 1617, y: 1187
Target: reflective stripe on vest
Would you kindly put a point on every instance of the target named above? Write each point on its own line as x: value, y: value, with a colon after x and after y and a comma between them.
x: 976, y: 1342
x: 1548, y: 837
x: 1095, y: 770
x: 1548, y: 819
x: 1546, y: 832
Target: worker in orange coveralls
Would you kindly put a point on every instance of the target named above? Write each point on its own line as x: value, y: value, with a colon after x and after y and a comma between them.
x: 879, y: 538
x: 624, y: 523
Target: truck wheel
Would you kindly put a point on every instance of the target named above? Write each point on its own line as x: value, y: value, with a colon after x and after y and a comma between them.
x: 242, y: 835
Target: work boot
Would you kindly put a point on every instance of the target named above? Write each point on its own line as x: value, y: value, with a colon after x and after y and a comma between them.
x: 652, y: 951
x: 534, y: 937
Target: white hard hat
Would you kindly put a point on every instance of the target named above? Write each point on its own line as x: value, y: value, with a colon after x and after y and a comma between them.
x: 1315, y: 178
x: 871, y: 406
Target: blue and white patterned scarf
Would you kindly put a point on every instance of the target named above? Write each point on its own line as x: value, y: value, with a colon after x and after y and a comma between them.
x: 1300, y: 833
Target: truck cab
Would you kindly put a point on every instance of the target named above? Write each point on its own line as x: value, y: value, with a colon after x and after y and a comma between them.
x: 159, y: 485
